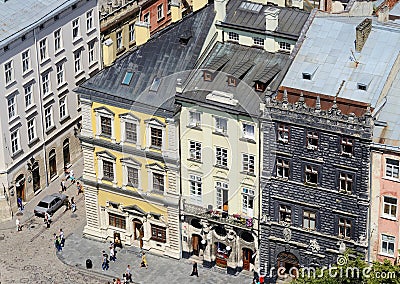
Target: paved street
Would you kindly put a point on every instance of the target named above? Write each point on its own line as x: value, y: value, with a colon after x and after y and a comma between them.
x: 29, y: 256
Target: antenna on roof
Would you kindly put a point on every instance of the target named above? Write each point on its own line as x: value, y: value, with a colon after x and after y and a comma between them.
x: 353, y: 58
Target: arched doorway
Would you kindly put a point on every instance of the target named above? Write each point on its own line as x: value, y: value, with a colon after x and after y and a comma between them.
x: 247, y: 258
x: 52, y: 163
x: 138, y: 232
x: 196, y: 241
x: 20, y: 186
x: 221, y: 254
x: 66, y: 154
x: 287, y: 260
x: 36, y: 176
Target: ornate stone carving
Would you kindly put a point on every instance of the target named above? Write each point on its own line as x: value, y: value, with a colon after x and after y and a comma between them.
x: 287, y: 234
x: 315, y: 248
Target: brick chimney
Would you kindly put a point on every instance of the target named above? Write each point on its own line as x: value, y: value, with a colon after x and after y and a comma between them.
x: 142, y: 32
x: 271, y: 18
x: 383, y: 14
x: 176, y: 12
x: 220, y: 9
x: 362, y: 32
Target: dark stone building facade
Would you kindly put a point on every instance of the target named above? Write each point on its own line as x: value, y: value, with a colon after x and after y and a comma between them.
x: 315, y: 189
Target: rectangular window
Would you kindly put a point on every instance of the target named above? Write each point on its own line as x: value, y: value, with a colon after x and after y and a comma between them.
x: 283, y: 133
x: 346, y: 145
x: 48, y: 117
x: 221, y: 125
x: 311, y: 174
x: 8, y: 71
x: 309, y: 220
x: 156, y: 137
x: 127, y: 78
x: 312, y: 139
x: 89, y: 20
x: 133, y: 176
x: 117, y: 221
x: 233, y: 36
x: 11, y: 107
x: 392, y: 168
x: 345, y: 182
x: 221, y: 189
x: 158, y: 182
x: 77, y: 61
x: 130, y: 132
x: 195, y: 188
x: 194, y: 119
x: 26, y: 61
x: 119, y: 39
x: 45, y: 84
x: 169, y: 6
x: 284, y: 46
x: 146, y: 18
x: 282, y: 168
x: 221, y: 157
x: 131, y: 32
x: 43, y: 49
x: 390, y: 207
x: 158, y: 234
x: 105, y: 126
x: 387, y: 246
x: 31, y: 130
x: 248, y: 163
x: 75, y: 29
x: 248, y: 201
x: 108, y: 170
x: 344, y: 228
x: 306, y: 76
x: 14, y: 142
x: 60, y: 73
x: 63, y: 107
x: 160, y: 12
x: 285, y: 214
x: 195, y: 150
x: 57, y: 40
x: 92, y: 51
x: 248, y: 131
x: 258, y: 41
x: 28, y: 95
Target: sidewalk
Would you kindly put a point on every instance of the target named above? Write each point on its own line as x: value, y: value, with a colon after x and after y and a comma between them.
x: 161, y: 269
x: 54, y: 187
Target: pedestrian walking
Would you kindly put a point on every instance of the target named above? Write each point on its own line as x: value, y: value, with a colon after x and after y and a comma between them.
x: 104, y: 264
x: 79, y: 187
x: 112, y: 255
x: 20, y: 205
x: 144, y: 261
x: 73, y: 205
x: 63, y: 186
x: 128, y: 274
x: 47, y: 219
x: 194, y: 269
x: 71, y: 176
x: 18, y: 224
x: 62, y: 239
x: 57, y: 242
x: 67, y: 204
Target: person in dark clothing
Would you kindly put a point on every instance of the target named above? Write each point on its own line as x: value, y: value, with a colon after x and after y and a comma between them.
x: 194, y: 270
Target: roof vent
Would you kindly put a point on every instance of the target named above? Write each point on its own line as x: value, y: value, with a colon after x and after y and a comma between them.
x: 185, y: 37
x: 222, y: 97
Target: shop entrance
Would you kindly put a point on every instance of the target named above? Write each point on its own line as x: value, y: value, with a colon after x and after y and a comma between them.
x: 247, y: 254
x: 221, y: 255
x: 287, y: 260
x: 20, y: 186
x: 138, y: 232
x: 196, y: 240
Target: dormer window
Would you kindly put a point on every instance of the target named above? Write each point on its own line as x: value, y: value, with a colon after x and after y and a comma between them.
x: 232, y: 81
x: 233, y: 36
x: 127, y: 78
x: 260, y: 87
x: 361, y: 87
x: 306, y: 76
x: 207, y: 76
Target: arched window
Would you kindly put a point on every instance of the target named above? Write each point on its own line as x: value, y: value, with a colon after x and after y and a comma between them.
x: 52, y: 163
x: 66, y: 154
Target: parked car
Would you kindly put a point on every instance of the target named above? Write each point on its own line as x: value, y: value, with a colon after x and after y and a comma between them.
x: 50, y: 204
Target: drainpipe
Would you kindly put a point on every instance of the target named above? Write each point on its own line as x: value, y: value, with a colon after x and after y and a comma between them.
x: 41, y: 107
x: 370, y: 210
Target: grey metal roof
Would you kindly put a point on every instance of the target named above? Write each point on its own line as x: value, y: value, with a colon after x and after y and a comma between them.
x: 161, y: 57
x: 19, y: 16
x: 290, y: 20
x: 326, y: 54
x: 196, y: 88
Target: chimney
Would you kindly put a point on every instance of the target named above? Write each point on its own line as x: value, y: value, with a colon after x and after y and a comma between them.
x: 220, y: 9
x: 198, y: 4
x: 108, y: 55
x: 326, y: 5
x: 271, y: 18
x: 362, y: 32
x: 142, y: 32
x: 176, y: 12
x: 383, y: 14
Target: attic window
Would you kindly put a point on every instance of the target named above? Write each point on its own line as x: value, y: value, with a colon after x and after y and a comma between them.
x: 232, y: 81
x: 127, y: 78
x: 260, y: 87
x: 361, y: 87
x: 185, y: 37
x: 306, y: 76
x: 156, y: 83
x: 56, y: 17
x: 207, y: 76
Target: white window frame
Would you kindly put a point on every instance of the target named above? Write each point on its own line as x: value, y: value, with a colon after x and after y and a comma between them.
x: 132, y: 32
x: 105, y: 156
x: 78, y: 61
x: 196, y: 189
x: 153, y: 123
x: 28, y: 95
x: 26, y: 61
x: 282, y: 164
x: 146, y: 18
x: 8, y: 72
x: 220, y: 187
x: 31, y: 129
x: 75, y: 29
x: 15, y: 142
x: 248, y: 160
x: 221, y: 124
x: 246, y: 134
x: 60, y: 73
x: 384, y: 249
x: 48, y: 117
x: 43, y: 50
x: 308, y: 213
x: 247, y: 196
x: 92, y: 52
x: 152, y: 181
x: 46, y: 88
x: 233, y: 36
x: 131, y: 163
x: 118, y: 35
x: 136, y: 122
x: 194, y: 119
x: 160, y: 12
x: 63, y: 107
x: 106, y: 113
x: 392, y: 168
x: 195, y: 150
x: 168, y: 7
x: 221, y: 156
x: 311, y: 169
x: 89, y: 20
x: 346, y: 178
x: 390, y: 205
x: 58, y: 44
x: 12, y: 106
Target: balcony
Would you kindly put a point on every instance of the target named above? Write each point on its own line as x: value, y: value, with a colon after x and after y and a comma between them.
x: 219, y: 216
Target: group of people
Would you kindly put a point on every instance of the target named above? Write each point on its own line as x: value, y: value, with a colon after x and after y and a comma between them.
x: 113, y: 257
x: 59, y: 240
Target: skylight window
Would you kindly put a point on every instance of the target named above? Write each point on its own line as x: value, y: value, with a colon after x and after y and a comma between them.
x: 127, y: 78
x: 306, y: 76
x: 156, y: 83
x: 361, y: 87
